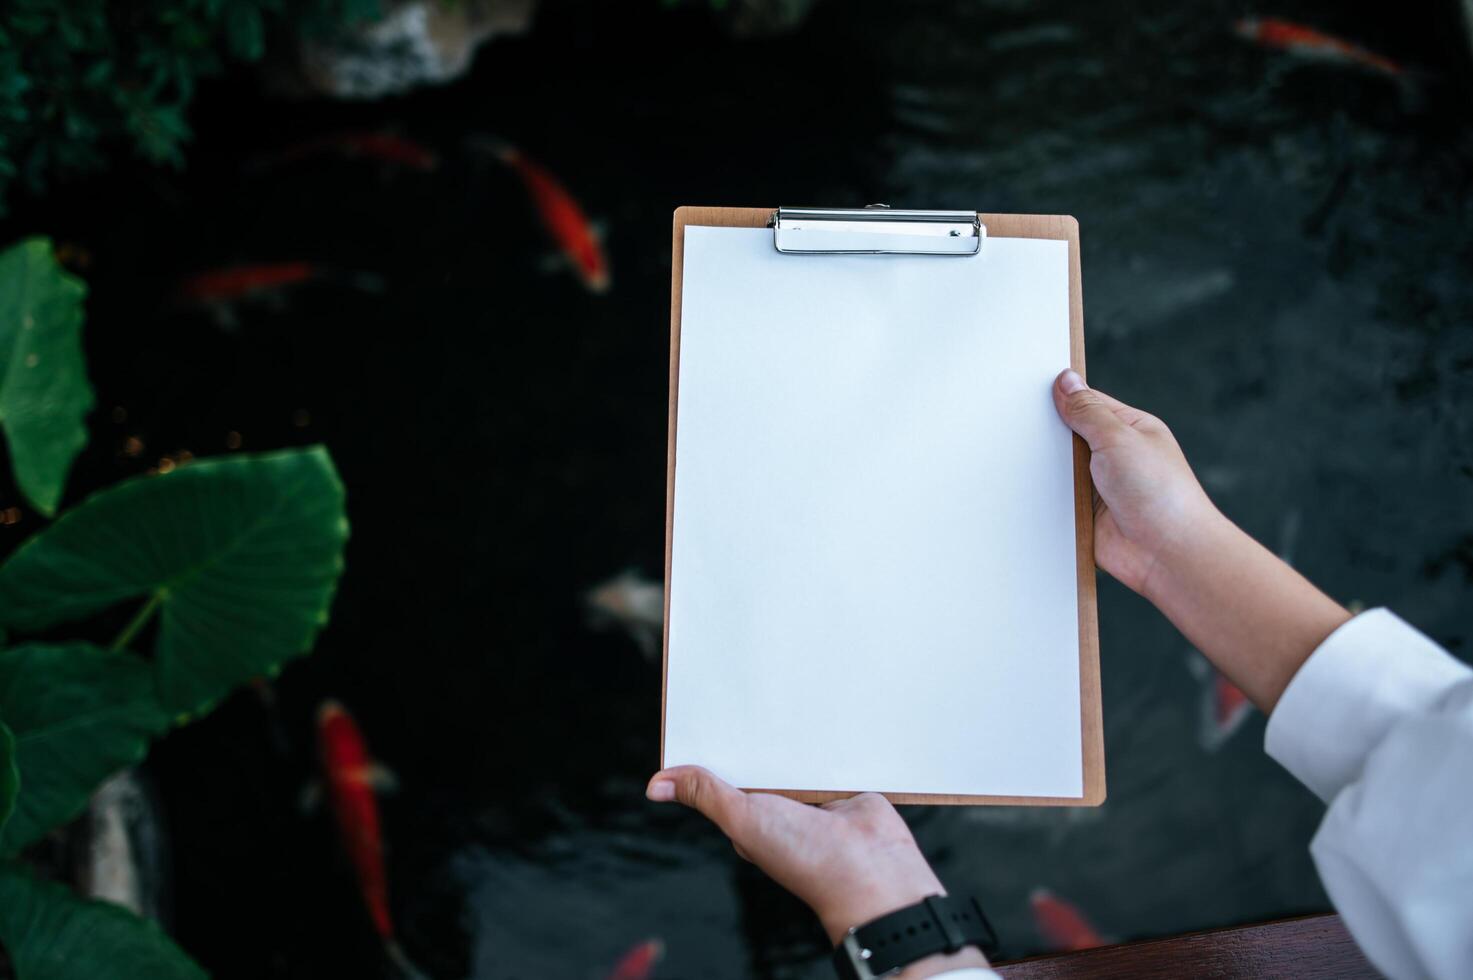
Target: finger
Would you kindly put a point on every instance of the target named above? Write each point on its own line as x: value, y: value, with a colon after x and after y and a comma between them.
x: 1128, y: 414
x: 869, y: 811
x: 1084, y: 410
x: 701, y: 790
x: 860, y: 801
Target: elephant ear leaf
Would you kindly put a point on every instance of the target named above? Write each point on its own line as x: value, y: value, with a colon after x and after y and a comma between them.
x: 238, y: 557
x: 9, y: 776
x: 79, y: 714
x: 52, y: 934
x: 44, y: 392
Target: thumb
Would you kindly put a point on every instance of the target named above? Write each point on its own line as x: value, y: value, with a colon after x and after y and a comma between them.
x: 1083, y: 410
x: 719, y: 801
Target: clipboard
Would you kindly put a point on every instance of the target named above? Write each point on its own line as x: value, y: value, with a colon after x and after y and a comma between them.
x: 942, y: 234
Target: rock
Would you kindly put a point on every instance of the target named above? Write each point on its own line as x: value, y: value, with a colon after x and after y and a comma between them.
x: 416, y: 42
x: 762, y: 18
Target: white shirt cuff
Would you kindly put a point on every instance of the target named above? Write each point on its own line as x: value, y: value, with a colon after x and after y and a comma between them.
x: 1365, y: 676
x: 969, y: 973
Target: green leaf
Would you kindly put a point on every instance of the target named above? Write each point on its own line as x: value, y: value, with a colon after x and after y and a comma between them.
x: 239, y: 555
x: 52, y: 934
x: 245, y: 32
x: 79, y: 714
x: 44, y: 393
x: 9, y: 775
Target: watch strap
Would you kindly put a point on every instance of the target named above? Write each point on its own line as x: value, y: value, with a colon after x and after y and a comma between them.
x: 936, y: 924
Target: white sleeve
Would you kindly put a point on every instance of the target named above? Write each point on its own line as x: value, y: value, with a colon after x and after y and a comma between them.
x: 969, y: 973
x: 1379, y: 723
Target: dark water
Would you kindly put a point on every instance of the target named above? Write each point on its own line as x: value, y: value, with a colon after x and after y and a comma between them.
x: 1276, y: 259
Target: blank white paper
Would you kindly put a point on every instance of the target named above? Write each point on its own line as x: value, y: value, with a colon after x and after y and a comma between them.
x: 872, y: 577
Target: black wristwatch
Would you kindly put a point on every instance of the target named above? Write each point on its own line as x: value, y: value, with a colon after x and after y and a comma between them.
x: 936, y: 924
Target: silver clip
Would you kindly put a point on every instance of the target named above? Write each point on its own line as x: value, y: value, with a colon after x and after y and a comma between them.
x: 877, y: 230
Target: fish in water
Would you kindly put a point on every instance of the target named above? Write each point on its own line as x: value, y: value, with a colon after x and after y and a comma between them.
x: 1061, y: 924
x: 352, y: 778
x: 1224, y: 706
x: 560, y: 214
x: 639, y: 962
x: 124, y: 857
x: 634, y: 603
x: 220, y: 291
x: 380, y: 146
x: 236, y: 282
x: 1299, y: 39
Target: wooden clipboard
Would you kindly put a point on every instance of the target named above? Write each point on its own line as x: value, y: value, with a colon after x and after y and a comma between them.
x: 1057, y: 227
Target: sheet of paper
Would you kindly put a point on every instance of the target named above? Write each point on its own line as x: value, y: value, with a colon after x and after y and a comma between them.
x: 873, y: 553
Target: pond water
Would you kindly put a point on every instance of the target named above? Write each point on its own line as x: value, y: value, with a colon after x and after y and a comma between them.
x: 1276, y: 260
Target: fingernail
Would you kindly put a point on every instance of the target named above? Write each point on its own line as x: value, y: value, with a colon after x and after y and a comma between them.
x: 661, y: 791
x: 1072, y: 382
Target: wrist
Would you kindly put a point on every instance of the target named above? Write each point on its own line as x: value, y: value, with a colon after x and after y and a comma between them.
x: 921, y: 939
x: 943, y: 963
x: 1184, y: 556
x: 858, y: 907
x: 886, y: 877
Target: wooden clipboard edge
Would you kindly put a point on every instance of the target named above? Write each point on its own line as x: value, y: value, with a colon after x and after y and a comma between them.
x: 1057, y: 227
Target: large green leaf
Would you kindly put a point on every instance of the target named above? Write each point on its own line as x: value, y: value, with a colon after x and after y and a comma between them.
x: 52, y: 934
x: 79, y: 714
x: 238, y: 556
x: 9, y: 775
x: 44, y: 393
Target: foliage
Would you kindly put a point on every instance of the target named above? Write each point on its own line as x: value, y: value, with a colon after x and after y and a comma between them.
x: 52, y: 934
x: 44, y: 394
x: 78, y: 77
x: 236, y: 557
x: 79, y: 714
x: 9, y: 775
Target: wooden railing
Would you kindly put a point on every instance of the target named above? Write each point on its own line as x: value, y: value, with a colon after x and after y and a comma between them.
x: 1315, y: 947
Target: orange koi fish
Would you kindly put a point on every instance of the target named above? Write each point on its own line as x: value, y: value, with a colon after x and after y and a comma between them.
x: 1224, y: 706
x: 639, y: 962
x: 559, y: 212
x: 381, y: 146
x: 1062, y: 925
x: 1284, y: 35
x: 351, y: 777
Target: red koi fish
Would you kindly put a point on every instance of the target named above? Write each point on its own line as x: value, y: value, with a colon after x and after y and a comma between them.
x: 1062, y: 925
x: 220, y: 291
x: 237, y: 282
x: 1224, y: 706
x: 351, y: 777
x: 640, y: 962
x: 560, y: 214
x: 381, y: 146
x: 1230, y: 706
x: 1284, y: 35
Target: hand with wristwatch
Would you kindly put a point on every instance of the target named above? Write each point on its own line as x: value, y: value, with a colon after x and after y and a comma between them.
x: 855, y: 863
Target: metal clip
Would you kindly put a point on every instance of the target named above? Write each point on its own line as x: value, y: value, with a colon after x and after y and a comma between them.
x: 877, y: 230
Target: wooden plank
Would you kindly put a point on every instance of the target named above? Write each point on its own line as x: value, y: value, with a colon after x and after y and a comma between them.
x: 1058, y: 227
x: 1315, y: 947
